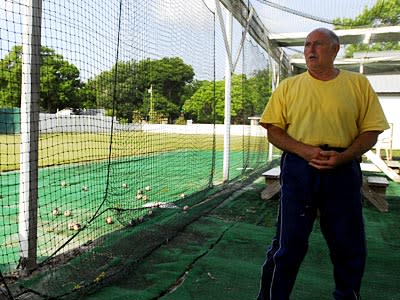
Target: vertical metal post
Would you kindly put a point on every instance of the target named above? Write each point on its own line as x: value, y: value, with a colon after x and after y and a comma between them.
x: 228, y: 85
x: 273, y: 83
x: 151, y: 110
x: 361, y: 69
x: 29, y: 134
x: 270, y: 152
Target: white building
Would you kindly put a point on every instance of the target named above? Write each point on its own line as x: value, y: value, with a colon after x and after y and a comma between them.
x: 388, y: 89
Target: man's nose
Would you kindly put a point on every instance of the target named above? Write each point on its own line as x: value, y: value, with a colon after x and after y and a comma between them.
x: 312, y: 46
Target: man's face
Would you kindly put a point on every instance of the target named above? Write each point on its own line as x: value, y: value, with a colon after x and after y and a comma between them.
x: 319, y: 51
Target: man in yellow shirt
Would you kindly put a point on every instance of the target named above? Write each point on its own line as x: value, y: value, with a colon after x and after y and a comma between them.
x: 323, y: 120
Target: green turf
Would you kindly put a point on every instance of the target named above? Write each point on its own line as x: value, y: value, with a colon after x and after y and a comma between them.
x: 217, y: 252
x: 81, y: 188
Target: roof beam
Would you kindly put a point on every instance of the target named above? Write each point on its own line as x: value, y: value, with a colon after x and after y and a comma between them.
x: 372, y: 65
x: 257, y: 30
x: 346, y: 36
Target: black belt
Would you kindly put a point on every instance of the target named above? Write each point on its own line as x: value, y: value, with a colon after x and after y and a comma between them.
x: 326, y: 147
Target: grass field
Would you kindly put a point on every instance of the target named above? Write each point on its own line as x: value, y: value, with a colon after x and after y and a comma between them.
x: 57, y: 149
x: 75, y: 174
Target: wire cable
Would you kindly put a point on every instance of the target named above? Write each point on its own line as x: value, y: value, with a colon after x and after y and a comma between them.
x: 298, y: 13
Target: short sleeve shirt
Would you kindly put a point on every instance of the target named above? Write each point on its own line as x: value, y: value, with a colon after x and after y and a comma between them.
x: 332, y: 112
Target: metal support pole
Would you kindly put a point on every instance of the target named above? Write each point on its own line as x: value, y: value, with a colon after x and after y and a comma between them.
x: 29, y: 134
x: 274, y: 83
x: 225, y: 34
x: 228, y: 87
x: 244, y: 34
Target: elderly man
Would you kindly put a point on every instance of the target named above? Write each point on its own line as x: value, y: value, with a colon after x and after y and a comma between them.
x: 323, y: 120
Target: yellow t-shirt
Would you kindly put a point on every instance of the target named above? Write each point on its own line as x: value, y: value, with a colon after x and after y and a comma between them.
x: 331, y: 112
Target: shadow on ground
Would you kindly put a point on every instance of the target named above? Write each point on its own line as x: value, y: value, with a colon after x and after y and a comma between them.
x: 217, y: 254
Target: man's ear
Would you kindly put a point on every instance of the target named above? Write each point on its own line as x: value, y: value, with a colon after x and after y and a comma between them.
x: 336, y: 48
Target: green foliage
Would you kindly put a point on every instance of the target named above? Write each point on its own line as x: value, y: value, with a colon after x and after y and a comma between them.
x: 383, y: 13
x: 168, y: 78
x: 180, y: 121
x: 200, y: 106
x: 124, y: 90
x: 60, y: 84
x: 248, y: 98
x: 10, y: 78
x: 260, y: 83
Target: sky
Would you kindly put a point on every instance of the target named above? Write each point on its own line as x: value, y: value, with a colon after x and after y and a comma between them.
x: 279, y: 21
x: 86, y: 31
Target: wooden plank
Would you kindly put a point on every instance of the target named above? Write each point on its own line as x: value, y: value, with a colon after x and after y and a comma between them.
x: 378, y: 181
x: 272, y: 173
x: 272, y: 182
x: 368, y: 167
x: 394, y: 164
x: 377, y: 199
x: 271, y: 190
x: 377, y: 161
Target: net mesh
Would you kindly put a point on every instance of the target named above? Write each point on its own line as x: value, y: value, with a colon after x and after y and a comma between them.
x: 115, y: 137
x: 130, y: 140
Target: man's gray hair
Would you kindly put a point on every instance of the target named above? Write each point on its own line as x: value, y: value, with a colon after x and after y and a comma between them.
x: 330, y: 33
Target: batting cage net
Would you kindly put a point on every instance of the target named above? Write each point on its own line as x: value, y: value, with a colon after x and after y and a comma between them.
x: 111, y: 115
x: 122, y: 156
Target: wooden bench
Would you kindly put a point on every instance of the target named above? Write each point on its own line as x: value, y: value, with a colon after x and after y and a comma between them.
x: 272, y: 181
x: 394, y: 164
x: 374, y: 190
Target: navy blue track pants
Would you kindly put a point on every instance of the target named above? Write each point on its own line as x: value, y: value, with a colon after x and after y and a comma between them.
x: 337, y: 195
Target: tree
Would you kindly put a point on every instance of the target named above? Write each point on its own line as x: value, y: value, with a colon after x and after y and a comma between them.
x: 169, y: 77
x: 201, y: 106
x: 60, y: 84
x: 248, y: 97
x: 383, y: 13
x: 10, y: 78
x: 260, y: 83
x: 117, y: 89
x: 126, y: 87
